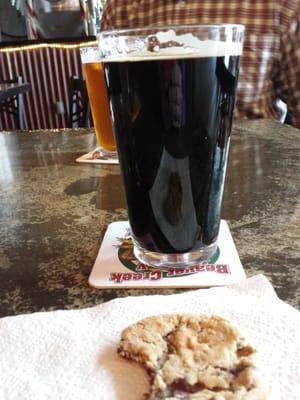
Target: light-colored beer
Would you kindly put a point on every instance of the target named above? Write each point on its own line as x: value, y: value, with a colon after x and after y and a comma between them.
x: 97, y: 93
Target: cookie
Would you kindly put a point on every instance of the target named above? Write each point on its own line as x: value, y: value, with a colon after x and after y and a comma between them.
x: 192, y: 357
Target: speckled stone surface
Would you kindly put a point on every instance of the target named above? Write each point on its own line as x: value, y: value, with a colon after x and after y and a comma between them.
x: 54, y: 212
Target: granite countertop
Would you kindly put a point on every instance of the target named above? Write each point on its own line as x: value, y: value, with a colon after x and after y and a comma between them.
x: 54, y: 212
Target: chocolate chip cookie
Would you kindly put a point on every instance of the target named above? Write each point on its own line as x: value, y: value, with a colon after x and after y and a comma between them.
x: 193, y: 357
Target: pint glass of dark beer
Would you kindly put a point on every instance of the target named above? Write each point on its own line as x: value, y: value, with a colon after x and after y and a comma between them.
x: 172, y: 94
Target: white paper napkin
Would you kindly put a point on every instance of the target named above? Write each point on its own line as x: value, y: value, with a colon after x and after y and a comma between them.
x: 71, y: 355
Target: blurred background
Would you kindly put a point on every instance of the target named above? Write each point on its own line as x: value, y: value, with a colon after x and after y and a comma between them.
x: 40, y: 43
x: 48, y: 19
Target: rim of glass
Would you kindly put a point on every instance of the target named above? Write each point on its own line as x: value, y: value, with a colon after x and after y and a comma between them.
x: 119, y: 32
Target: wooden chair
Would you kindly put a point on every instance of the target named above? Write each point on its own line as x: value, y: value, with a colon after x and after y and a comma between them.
x: 79, y: 109
x: 14, y: 105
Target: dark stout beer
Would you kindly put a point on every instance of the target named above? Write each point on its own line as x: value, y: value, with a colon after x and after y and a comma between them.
x: 172, y: 122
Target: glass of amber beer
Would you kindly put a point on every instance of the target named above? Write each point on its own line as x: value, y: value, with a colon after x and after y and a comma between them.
x: 94, y: 76
x: 172, y: 94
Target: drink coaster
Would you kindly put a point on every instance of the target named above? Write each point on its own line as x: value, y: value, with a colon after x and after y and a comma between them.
x: 97, y: 157
x: 117, y: 267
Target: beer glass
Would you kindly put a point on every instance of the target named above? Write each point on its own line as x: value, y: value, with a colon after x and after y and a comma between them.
x: 172, y: 95
x: 94, y: 76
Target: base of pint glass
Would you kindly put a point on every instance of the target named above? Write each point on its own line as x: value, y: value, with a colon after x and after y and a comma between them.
x: 174, y: 260
x: 107, y: 153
